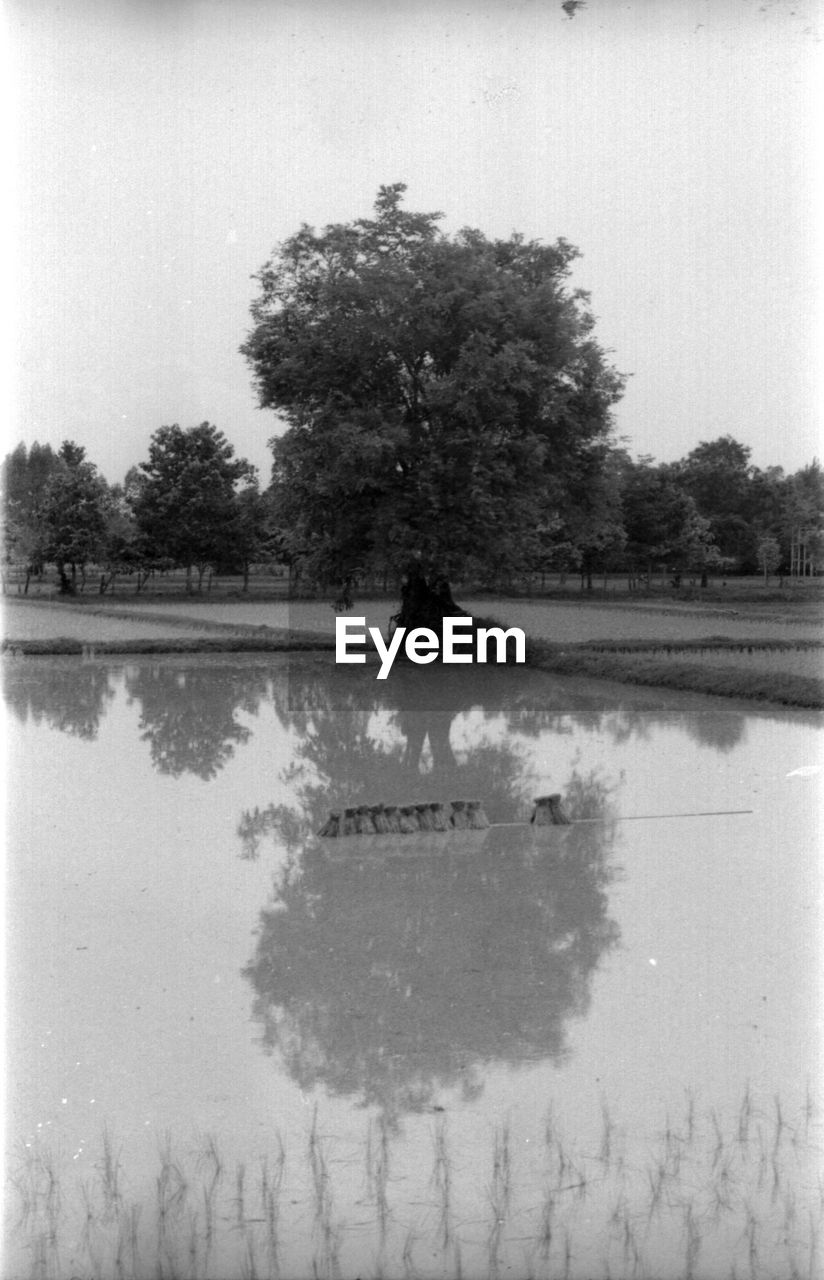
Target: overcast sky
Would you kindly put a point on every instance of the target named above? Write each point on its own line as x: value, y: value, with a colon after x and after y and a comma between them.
x: 165, y: 147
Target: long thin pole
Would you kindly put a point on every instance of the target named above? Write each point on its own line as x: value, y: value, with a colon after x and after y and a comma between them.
x: 640, y: 817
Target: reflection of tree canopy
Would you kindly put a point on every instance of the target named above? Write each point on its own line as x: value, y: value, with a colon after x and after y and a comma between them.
x: 721, y: 730
x: 69, y: 695
x: 389, y: 976
x: 187, y: 712
x: 361, y: 741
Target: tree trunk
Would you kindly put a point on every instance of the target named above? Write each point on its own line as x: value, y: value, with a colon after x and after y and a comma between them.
x: 66, y: 585
x: 344, y: 601
x: 425, y: 602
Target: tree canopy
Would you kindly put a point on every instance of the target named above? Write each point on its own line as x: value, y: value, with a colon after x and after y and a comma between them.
x: 441, y: 393
x: 184, y: 499
x: 75, y: 507
x: 25, y: 477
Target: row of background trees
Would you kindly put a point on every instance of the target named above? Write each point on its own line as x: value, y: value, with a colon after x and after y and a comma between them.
x: 193, y: 505
x: 448, y: 417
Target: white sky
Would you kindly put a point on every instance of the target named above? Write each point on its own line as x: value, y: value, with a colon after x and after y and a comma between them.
x: 164, y: 147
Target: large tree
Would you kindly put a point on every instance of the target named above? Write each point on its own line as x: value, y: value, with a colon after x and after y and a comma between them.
x: 439, y: 395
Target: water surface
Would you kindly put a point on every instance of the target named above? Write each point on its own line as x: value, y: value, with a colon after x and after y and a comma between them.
x: 236, y: 1049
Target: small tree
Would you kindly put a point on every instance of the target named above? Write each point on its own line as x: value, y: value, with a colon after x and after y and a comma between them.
x: 75, y: 509
x: 25, y: 476
x: 121, y: 541
x: 250, y: 536
x: 184, y: 502
x: 769, y: 555
x: 594, y: 520
x: 661, y: 522
x: 693, y: 550
x: 717, y: 475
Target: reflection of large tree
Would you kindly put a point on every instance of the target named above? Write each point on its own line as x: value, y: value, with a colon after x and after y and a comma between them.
x: 386, y: 977
x: 360, y: 741
x: 71, y: 696
x: 188, y: 712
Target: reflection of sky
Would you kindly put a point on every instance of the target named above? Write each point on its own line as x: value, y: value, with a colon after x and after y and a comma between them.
x: 131, y: 917
x: 642, y: 762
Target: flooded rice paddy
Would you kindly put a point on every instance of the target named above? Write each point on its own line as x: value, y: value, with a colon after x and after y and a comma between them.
x: 238, y: 1050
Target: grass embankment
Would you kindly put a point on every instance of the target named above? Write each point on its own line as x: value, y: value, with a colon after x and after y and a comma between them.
x: 273, y: 642
x: 631, y: 646
x: 716, y: 665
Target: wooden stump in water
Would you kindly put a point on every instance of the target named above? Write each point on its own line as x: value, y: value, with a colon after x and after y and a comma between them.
x: 424, y: 817
x: 331, y: 826
x: 349, y: 824
x: 379, y: 818
x: 363, y: 821
x: 475, y: 816
x: 548, y: 812
x: 393, y: 820
x: 440, y: 822
x: 408, y: 819
x: 458, y: 817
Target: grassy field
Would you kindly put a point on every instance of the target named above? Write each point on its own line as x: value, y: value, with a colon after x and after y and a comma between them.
x: 788, y: 659
x: 722, y: 672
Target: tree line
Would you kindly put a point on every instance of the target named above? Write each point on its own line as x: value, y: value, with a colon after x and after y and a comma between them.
x: 448, y: 418
x: 191, y: 505
x: 194, y: 506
